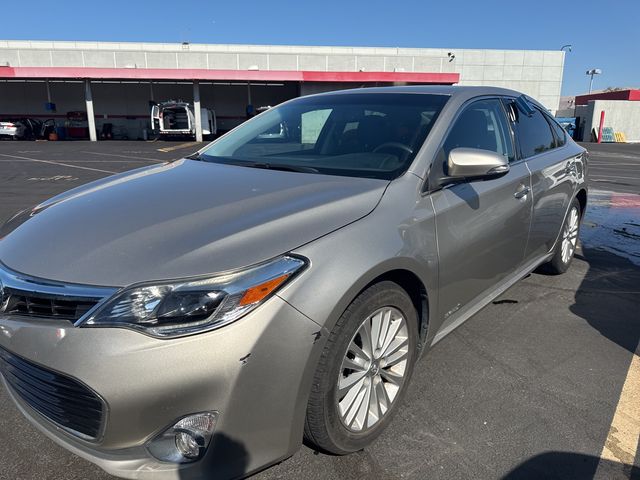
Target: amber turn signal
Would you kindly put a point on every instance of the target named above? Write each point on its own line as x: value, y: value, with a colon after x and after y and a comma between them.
x: 257, y: 293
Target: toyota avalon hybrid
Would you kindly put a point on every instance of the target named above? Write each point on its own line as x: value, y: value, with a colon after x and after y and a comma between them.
x: 206, y: 315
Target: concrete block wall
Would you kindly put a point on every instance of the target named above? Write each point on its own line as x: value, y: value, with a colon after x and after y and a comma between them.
x: 623, y: 116
x: 537, y: 73
x: 584, y: 115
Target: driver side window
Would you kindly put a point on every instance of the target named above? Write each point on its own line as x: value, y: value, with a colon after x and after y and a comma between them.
x: 482, y: 125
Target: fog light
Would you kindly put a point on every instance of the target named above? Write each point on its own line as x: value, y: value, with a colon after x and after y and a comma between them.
x: 188, y: 445
x: 187, y: 440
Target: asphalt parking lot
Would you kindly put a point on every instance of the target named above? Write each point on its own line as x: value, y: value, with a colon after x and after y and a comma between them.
x: 541, y: 384
x: 614, y: 166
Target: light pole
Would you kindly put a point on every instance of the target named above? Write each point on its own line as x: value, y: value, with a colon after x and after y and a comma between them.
x: 592, y: 72
x: 568, y: 47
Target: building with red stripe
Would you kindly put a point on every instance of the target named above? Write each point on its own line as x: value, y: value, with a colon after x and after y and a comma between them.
x: 114, y: 82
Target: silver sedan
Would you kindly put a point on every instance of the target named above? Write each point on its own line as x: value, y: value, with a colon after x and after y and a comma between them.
x: 205, y: 315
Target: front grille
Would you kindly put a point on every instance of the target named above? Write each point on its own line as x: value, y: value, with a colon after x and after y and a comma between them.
x: 57, y: 397
x: 43, y: 305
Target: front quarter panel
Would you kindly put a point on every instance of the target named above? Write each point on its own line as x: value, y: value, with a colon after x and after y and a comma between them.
x: 398, y: 235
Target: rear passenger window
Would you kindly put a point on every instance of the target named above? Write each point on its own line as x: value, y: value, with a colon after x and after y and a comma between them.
x: 482, y: 125
x: 561, y: 133
x: 534, y: 133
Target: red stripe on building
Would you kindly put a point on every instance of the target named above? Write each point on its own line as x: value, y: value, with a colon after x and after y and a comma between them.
x: 226, y: 75
x: 631, y: 95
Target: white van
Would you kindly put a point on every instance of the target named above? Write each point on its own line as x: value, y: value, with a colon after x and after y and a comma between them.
x: 177, y: 118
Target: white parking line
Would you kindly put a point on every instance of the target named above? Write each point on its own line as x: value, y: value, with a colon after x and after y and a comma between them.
x: 106, y: 161
x: 619, y: 451
x: 595, y: 155
x: 178, y: 147
x: 613, y: 164
x: 57, y: 163
x: 616, y: 176
x: 125, y: 156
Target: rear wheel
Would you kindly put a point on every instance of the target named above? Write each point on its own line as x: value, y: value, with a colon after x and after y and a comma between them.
x: 363, y: 371
x: 568, y: 242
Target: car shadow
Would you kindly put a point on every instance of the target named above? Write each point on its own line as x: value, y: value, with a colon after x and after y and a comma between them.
x: 226, y: 458
x: 466, y: 192
x: 570, y: 465
x: 608, y: 297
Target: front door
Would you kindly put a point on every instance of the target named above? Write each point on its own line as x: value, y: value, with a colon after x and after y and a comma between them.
x: 482, y: 226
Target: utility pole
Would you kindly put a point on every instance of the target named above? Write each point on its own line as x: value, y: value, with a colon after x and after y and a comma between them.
x: 592, y: 72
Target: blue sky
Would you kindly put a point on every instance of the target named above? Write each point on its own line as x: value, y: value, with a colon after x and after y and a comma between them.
x: 602, y: 36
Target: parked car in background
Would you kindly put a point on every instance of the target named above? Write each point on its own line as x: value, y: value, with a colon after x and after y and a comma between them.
x: 196, y: 319
x: 10, y: 129
x: 569, y: 124
x: 173, y: 118
x: 27, y: 128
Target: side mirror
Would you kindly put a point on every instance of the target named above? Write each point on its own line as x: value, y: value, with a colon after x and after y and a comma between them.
x: 474, y: 163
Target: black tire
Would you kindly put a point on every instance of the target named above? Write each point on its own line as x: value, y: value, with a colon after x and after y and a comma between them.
x: 324, y: 427
x: 558, y: 265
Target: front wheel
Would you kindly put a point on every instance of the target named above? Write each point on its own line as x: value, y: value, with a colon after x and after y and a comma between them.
x: 364, y: 370
x: 568, y: 242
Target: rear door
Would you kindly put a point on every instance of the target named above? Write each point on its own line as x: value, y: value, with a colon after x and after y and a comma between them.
x: 483, y: 225
x: 155, y: 117
x: 553, y: 176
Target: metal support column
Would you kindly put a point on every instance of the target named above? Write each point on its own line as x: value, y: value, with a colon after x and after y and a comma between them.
x: 196, y: 110
x: 91, y: 119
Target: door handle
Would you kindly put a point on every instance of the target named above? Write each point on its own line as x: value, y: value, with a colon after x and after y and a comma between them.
x: 523, y: 191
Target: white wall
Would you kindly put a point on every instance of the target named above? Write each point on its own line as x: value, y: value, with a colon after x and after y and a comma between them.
x: 534, y: 72
x: 622, y: 115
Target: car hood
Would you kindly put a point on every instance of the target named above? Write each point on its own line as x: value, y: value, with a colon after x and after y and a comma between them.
x: 181, y: 219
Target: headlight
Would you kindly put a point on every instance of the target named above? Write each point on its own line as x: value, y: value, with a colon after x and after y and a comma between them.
x: 183, y: 307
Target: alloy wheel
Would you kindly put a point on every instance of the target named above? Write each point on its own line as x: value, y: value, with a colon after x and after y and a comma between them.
x: 570, y: 235
x: 373, y: 369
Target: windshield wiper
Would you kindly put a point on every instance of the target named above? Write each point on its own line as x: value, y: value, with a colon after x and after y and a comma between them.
x: 264, y: 165
x: 279, y: 166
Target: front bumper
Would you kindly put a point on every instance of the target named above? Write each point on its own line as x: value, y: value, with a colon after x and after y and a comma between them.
x: 256, y: 373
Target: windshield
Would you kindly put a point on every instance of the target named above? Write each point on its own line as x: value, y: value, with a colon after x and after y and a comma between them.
x: 369, y: 135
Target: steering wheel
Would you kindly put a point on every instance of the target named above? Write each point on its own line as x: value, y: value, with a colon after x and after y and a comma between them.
x: 398, y: 145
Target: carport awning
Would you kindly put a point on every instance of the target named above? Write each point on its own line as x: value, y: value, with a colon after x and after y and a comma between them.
x: 241, y: 75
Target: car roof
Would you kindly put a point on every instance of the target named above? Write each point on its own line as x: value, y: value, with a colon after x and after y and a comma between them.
x: 452, y: 90
x: 460, y: 92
